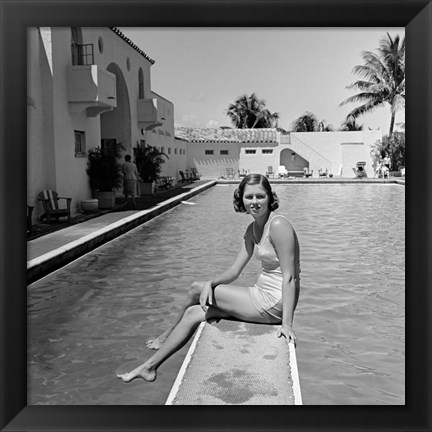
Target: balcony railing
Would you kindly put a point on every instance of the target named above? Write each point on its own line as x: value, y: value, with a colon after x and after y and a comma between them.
x: 82, y: 55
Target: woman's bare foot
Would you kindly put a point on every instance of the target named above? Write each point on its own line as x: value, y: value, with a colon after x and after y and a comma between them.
x: 156, y: 343
x: 144, y: 372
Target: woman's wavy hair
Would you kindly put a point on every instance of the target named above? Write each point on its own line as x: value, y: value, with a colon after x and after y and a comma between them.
x: 254, y: 179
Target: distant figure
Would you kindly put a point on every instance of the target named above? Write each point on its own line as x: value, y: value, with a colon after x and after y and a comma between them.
x: 130, y: 179
x: 273, y: 298
x: 385, y: 171
x: 378, y: 169
x: 387, y: 163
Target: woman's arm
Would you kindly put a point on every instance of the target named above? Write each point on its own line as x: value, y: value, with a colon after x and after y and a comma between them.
x: 283, y: 238
x: 230, y: 275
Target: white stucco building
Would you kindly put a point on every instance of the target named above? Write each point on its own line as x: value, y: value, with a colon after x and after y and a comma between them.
x: 88, y: 87
x: 212, y: 151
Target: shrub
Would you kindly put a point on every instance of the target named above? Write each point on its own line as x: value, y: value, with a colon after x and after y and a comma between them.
x: 103, y: 168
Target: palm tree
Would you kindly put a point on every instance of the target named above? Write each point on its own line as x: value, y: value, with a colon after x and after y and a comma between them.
x: 308, y: 122
x: 323, y: 126
x: 149, y: 162
x: 249, y: 112
x: 384, y: 79
x: 351, y: 124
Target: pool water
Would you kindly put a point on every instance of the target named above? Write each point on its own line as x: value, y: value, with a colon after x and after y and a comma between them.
x: 91, y: 318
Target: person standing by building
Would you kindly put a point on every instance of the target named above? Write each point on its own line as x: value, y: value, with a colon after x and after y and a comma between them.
x: 387, y: 164
x: 130, y: 179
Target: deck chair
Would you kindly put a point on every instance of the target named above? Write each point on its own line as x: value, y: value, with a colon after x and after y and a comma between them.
x: 50, y: 201
x: 189, y: 175
x: 359, y: 170
x: 270, y: 172
x: 243, y: 173
x: 282, y: 171
x: 230, y: 173
x: 322, y: 173
x: 184, y: 178
x: 307, y: 172
x: 195, y: 174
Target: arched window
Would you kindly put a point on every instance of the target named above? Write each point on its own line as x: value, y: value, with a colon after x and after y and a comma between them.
x: 81, y: 54
x: 140, y: 84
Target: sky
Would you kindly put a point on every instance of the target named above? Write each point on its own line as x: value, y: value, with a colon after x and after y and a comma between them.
x: 202, y: 70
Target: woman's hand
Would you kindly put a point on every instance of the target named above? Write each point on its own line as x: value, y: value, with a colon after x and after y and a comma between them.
x: 288, y: 332
x: 206, y: 295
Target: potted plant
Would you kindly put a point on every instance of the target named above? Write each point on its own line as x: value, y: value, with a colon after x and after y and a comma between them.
x: 105, y: 173
x: 148, y: 160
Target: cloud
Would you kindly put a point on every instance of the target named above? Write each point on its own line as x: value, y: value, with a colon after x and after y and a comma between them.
x: 212, y: 124
x: 199, y: 97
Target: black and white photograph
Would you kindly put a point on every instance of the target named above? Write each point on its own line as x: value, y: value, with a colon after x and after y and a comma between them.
x: 310, y: 145
x: 218, y: 216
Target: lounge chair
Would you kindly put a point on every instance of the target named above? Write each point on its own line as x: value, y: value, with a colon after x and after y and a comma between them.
x: 359, y: 170
x: 307, y: 173
x: 189, y: 175
x: 195, y: 174
x: 50, y: 201
x: 184, y: 178
x: 270, y: 172
x: 282, y: 171
x: 243, y: 173
x: 164, y: 183
x: 322, y: 173
x: 230, y: 173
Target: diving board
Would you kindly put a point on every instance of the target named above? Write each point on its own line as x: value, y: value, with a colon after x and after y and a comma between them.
x: 237, y: 363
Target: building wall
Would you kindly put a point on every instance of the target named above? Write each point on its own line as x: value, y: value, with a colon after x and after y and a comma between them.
x: 332, y: 145
x: 337, y: 152
x: 163, y: 138
x: 52, y: 163
x: 40, y: 157
x: 215, y: 165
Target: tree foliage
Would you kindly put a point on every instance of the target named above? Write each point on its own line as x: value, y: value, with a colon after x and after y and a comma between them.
x: 383, y: 79
x: 351, y: 124
x: 104, y: 169
x: 149, y: 160
x: 308, y: 122
x: 250, y: 112
x: 394, y: 146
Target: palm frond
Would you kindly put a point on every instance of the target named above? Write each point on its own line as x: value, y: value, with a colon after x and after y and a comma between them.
x: 366, y: 108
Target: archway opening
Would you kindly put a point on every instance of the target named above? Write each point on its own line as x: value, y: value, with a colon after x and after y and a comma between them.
x: 116, y: 125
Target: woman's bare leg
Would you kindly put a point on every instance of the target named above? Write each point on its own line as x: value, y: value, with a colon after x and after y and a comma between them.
x: 192, y: 298
x: 181, y: 333
x: 228, y: 301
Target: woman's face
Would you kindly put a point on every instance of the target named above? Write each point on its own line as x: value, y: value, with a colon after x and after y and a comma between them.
x: 255, y: 200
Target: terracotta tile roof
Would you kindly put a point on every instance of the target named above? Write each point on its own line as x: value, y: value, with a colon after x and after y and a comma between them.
x: 225, y: 135
x: 129, y: 42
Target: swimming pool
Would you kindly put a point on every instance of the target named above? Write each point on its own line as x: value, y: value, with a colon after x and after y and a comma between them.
x: 91, y: 317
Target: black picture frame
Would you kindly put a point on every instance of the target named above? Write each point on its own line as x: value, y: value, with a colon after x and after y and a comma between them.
x: 415, y: 15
